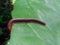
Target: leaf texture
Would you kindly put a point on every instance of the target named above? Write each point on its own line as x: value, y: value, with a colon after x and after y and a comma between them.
x: 36, y: 34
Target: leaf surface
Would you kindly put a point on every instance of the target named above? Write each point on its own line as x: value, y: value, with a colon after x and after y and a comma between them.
x: 36, y: 34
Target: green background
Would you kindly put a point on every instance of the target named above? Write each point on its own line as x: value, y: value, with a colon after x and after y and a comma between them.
x: 32, y: 33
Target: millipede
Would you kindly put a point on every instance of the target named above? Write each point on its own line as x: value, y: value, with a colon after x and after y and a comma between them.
x: 6, y: 20
x: 24, y: 20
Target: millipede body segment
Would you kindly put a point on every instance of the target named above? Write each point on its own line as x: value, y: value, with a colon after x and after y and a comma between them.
x: 24, y: 20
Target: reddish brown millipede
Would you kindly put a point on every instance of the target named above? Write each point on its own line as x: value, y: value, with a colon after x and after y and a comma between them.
x: 23, y: 20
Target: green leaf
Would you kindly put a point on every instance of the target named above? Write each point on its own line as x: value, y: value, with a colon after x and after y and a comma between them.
x: 36, y: 34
